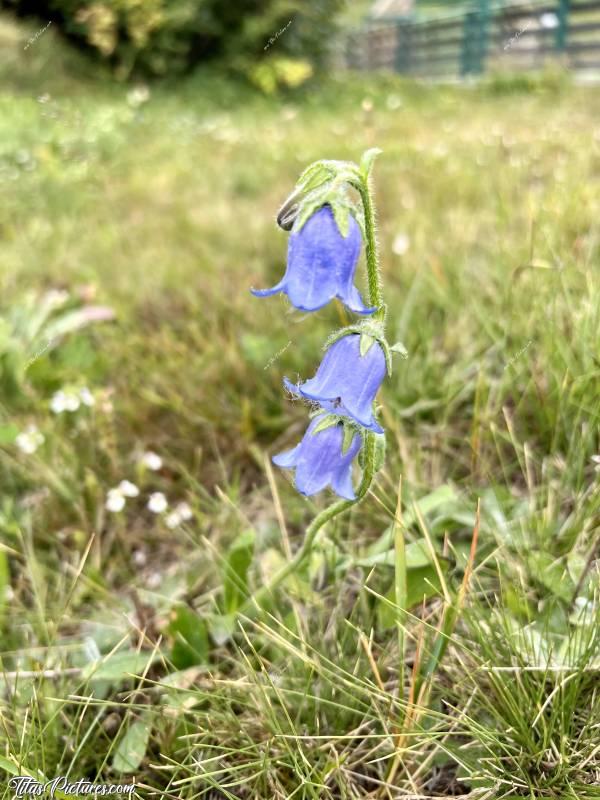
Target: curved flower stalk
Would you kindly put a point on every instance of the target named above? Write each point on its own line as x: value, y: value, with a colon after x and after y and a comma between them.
x: 327, y: 230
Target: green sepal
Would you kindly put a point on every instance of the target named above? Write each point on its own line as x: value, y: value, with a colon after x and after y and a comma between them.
x: 341, y: 214
x: 314, y: 176
x: 327, y: 422
x: 349, y: 434
x: 399, y: 348
x: 366, y: 343
x: 387, y: 354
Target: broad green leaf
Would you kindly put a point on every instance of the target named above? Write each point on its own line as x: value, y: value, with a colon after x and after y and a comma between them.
x: 221, y: 627
x: 552, y: 574
x: 417, y: 555
x: 440, y: 497
x: 132, y: 748
x: 235, y: 571
x: 190, y: 646
x: 422, y: 583
x: 120, y: 666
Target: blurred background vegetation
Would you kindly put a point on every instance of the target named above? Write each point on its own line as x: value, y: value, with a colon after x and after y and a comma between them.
x: 170, y: 37
x: 138, y: 208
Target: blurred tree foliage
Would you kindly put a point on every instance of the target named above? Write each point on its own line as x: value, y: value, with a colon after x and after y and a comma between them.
x: 272, y: 41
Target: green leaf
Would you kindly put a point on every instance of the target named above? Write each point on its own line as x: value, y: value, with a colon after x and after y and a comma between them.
x: 221, y: 627
x: 422, y: 583
x: 442, y: 496
x: 191, y: 644
x: 417, y: 555
x: 7, y: 765
x: 552, y: 574
x: 8, y: 434
x: 120, y: 666
x: 132, y: 748
x: 367, y: 161
x: 235, y: 571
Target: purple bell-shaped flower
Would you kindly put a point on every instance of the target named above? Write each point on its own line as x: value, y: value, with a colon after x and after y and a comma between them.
x: 319, y: 460
x: 321, y: 265
x: 346, y: 382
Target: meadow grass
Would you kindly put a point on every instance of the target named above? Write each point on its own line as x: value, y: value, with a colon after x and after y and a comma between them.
x: 122, y: 654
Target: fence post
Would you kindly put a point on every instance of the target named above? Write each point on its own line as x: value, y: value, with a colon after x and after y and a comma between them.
x: 483, y: 18
x: 403, y: 56
x: 466, y: 54
x: 563, y: 24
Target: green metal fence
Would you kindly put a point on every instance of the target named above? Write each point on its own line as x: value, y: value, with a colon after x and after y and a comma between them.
x: 522, y: 36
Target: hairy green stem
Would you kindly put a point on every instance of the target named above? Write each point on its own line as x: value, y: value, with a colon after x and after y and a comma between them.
x: 373, y: 277
x: 255, y: 602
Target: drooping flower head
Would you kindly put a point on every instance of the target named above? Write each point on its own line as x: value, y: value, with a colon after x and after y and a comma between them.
x: 346, y: 381
x: 321, y: 265
x: 320, y: 460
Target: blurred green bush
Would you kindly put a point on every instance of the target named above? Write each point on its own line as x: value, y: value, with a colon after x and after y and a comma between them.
x: 162, y: 37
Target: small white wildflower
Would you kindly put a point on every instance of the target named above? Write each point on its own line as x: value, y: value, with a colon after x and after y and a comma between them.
x: 154, y: 580
x: 72, y: 402
x: 400, y: 244
x: 184, y: 510
x: 29, y: 440
x: 157, y: 503
x: 181, y: 513
x: 584, y: 605
x: 57, y: 404
x: 115, y: 501
x: 86, y: 397
x: 151, y: 461
x: 139, y: 558
x: 596, y: 460
x: 172, y: 520
x: 128, y: 489
x: 64, y: 401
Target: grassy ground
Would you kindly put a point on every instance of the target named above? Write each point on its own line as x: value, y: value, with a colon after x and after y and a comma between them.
x: 121, y: 651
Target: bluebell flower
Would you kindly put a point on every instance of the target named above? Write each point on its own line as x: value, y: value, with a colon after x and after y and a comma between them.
x: 320, y: 462
x: 346, y: 382
x: 321, y: 265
